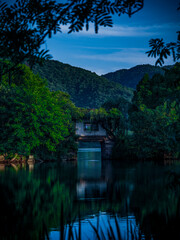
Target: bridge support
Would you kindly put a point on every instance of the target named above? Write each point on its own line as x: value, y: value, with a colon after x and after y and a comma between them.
x: 106, y: 144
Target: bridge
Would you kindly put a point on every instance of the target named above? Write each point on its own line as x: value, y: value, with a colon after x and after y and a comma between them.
x: 94, y: 132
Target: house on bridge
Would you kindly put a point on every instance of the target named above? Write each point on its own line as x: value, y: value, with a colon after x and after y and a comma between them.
x: 90, y: 130
x: 94, y: 132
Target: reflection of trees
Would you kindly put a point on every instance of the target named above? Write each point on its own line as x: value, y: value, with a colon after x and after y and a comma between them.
x: 29, y: 205
x: 32, y: 203
x: 155, y: 205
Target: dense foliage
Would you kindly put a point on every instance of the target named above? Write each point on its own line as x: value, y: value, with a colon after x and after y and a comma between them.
x: 155, y: 115
x: 111, y: 121
x: 112, y: 116
x: 33, y: 119
x: 131, y: 77
x: 149, y: 127
x: 86, y: 89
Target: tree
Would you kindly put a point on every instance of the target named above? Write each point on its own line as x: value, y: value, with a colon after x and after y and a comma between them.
x: 111, y: 120
x: 155, y: 115
x: 32, y: 117
x: 161, y: 50
x: 25, y: 24
x: 156, y: 130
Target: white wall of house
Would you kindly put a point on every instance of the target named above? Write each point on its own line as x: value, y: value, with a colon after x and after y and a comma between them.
x: 80, y: 130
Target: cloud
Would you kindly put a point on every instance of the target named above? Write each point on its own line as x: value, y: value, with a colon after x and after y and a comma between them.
x: 126, y: 31
x: 127, y: 56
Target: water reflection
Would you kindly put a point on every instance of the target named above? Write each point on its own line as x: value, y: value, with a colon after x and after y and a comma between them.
x: 102, y: 223
x: 58, y: 201
x: 89, y: 164
x: 90, y: 184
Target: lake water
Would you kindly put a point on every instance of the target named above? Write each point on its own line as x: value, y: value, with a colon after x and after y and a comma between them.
x: 90, y: 199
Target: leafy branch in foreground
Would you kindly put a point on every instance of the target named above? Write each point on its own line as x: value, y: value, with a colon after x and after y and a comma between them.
x: 162, y: 50
x: 25, y: 24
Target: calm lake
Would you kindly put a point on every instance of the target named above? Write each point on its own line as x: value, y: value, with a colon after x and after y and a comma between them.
x: 90, y: 199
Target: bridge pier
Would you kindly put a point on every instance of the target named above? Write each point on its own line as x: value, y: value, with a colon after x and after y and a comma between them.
x: 106, y: 145
x: 93, y: 132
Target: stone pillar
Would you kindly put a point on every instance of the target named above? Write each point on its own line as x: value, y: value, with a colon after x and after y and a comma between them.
x: 2, y: 158
x: 2, y: 167
x: 31, y: 162
x: 31, y: 159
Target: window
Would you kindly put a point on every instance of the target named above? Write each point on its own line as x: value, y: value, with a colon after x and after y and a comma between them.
x: 87, y: 127
x: 94, y: 127
x: 91, y: 127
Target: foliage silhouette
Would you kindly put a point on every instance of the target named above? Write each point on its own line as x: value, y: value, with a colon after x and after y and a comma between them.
x: 162, y: 50
x: 25, y: 24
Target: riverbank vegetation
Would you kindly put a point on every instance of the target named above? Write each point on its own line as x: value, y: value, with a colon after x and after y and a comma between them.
x: 154, y: 117
x: 35, y: 120
x: 149, y: 126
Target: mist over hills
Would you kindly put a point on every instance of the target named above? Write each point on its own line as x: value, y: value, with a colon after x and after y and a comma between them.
x: 131, y: 77
x: 86, y: 89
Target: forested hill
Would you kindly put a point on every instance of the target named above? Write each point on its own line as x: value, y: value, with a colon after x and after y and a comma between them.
x: 131, y: 77
x: 86, y: 89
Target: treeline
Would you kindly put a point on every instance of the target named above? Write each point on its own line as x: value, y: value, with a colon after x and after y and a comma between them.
x: 149, y: 127
x: 41, y: 122
x: 86, y: 89
x: 155, y: 115
x: 33, y: 119
x: 131, y: 77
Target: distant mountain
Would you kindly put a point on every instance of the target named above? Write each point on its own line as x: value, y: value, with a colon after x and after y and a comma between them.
x: 86, y: 89
x: 131, y: 77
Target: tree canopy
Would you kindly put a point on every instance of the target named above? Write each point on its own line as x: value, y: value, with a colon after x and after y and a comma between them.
x: 155, y: 115
x: 33, y: 119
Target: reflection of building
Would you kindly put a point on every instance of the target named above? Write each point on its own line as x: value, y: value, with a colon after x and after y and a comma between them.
x: 91, y: 190
x: 91, y: 185
x: 89, y: 161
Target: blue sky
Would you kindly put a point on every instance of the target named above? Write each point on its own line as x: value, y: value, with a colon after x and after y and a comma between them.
x: 122, y: 46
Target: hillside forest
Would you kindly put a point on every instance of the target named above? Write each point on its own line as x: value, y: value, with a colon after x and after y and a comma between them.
x: 86, y: 89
